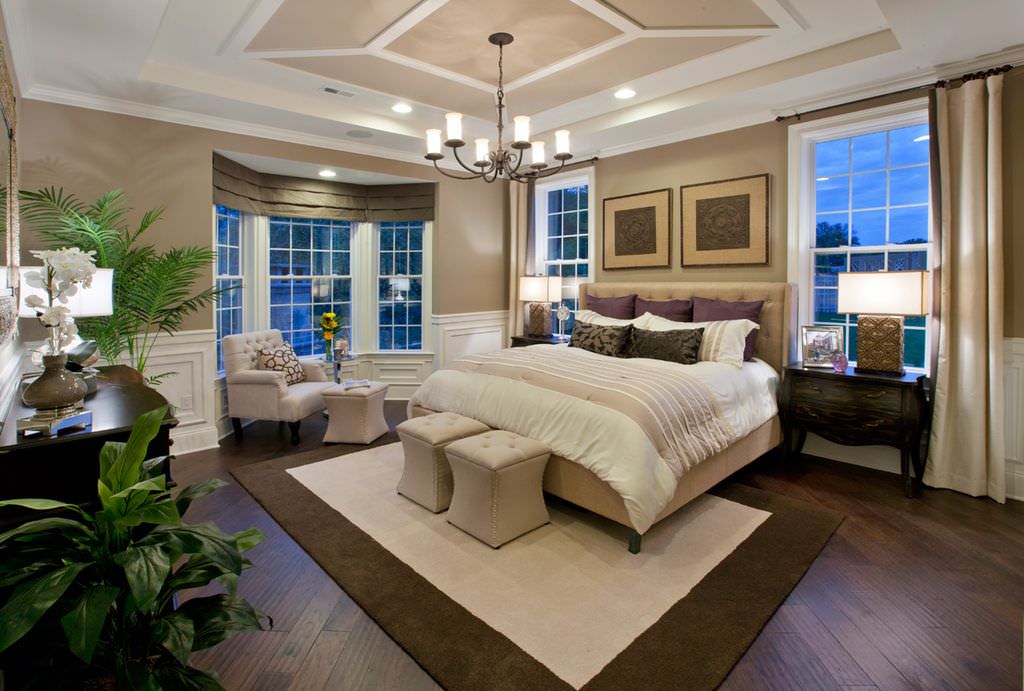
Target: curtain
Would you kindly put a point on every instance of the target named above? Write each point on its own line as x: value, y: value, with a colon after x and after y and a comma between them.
x: 967, y: 444
x: 519, y: 242
x: 239, y: 187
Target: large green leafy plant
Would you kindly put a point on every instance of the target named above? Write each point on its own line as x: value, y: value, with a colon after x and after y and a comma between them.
x: 153, y: 290
x: 94, y: 595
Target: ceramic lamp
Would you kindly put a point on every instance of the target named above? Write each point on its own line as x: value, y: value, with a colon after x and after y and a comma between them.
x: 539, y: 292
x: 881, y: 299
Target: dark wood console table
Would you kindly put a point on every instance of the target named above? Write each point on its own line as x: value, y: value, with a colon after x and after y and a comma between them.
x: 66, y: 467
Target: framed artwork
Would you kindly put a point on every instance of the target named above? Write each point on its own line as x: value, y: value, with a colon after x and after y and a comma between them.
x: 725, y: 223
x: 819, y: 344
x: 637, y: 230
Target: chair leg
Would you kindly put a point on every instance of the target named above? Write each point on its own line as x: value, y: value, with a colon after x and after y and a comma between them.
x: 236, y: 425
x: 294, y: 427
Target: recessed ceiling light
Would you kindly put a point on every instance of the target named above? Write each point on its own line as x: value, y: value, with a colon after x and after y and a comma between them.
x: 327, y: 173
x: 402, y: 108
x: 625, y: 93
x: 922, y: 138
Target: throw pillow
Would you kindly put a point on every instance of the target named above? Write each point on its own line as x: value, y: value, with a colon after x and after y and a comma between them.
x: 619, y: 307
x: 676, y: 310
x: 282, y: 359
x: 723, y: 341
x: 707, y: 310
x: 682, y: 346
x: 603, y: 340
x: 591, y: 317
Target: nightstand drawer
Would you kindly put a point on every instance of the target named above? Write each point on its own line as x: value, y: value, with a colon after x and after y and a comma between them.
x: 849, y: 426
x: 855, y: 396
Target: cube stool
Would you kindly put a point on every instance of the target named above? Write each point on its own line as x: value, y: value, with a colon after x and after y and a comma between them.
x: 498, y: 479
x: 426, y: 477
x: 356, y: 415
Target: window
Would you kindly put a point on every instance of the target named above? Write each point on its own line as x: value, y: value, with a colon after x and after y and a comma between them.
x: 400, y: 286
x: 866, y: 208
x: 228, y: 308
x: 563, y: 239
x: 310, y: 273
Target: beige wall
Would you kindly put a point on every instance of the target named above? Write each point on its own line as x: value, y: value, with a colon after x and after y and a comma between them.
x: 162, y: 164
x: 1013, y: 195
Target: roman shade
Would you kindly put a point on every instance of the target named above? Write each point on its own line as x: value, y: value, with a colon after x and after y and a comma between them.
x: 239, y: 187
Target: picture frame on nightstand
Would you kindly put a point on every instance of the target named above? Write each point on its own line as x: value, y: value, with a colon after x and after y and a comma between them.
x: 819, y: 344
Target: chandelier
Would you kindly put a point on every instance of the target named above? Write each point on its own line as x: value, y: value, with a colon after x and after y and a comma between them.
x: 489, y: 165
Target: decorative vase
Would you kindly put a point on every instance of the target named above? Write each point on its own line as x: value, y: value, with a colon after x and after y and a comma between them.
x: 328, y: 351
x: 56, y: 389
x: 840, y: 362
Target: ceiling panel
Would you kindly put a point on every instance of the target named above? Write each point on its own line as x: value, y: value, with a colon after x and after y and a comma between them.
x: 653, y: 14
x: 455, y: 36
x: 326, y: 24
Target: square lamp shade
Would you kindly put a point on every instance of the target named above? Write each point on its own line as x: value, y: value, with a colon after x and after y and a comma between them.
x: 540, y: 292
x: 94, y: 301
x: 881, y: 299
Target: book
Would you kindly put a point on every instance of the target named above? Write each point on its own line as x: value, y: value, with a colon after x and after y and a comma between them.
x: 356, y: 384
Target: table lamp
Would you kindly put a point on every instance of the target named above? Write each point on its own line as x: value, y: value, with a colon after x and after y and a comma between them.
x: 539, y: 292
x: 95, y: 301
x: 881, y: 299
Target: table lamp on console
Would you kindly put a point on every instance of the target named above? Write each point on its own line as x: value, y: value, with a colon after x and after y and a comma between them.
x: 881, y: 299
x: 539, y: 292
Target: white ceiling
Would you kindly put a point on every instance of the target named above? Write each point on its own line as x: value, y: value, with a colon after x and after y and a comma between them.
x: 302, y: 169
x: 208, y: 63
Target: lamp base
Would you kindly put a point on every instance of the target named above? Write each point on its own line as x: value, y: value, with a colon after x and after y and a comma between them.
x: 880, y: 345
x: 49, y: 423
x: 539, y: 323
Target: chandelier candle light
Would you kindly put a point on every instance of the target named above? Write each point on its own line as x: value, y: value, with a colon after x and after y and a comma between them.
x: 489, y: 165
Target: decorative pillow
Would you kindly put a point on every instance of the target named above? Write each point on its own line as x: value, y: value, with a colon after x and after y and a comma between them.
x: 619, y: 308
x: 676, y: 310
x: 723, y: 341
x: 281, y: 359
x: 707, y: 310
x: 682, y: 346
x: 591, y: 317
x: 603, y: 340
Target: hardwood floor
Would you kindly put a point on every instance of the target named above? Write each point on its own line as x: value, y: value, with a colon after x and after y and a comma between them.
x: 923, y: 593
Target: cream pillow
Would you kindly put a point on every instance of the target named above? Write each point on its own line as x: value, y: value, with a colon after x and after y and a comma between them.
x: 592, y: 317
x: 724, y: 341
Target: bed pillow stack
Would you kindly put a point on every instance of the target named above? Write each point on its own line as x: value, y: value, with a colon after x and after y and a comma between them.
x: 722, y: 341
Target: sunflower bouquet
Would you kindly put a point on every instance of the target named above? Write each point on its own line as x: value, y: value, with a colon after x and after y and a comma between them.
x: 330, y: 324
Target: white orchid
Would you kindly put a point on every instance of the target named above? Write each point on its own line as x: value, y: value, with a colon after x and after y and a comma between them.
x: 63, y: 271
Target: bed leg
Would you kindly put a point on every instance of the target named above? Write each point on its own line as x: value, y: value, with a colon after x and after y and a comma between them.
x: 634, y: 542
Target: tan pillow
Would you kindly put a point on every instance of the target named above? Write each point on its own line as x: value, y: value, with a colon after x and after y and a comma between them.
x: 723, y: 341
x: 282, y: 359
x: 592, y: 317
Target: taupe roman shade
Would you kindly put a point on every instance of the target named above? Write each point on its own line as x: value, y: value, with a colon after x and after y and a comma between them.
x: 242, y: 188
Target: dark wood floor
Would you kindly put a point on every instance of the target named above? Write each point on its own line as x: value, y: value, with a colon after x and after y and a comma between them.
x: 909, y: 594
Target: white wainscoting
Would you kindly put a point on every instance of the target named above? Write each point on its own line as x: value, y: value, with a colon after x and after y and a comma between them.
x: 458, y: 335
x: 888, y: 459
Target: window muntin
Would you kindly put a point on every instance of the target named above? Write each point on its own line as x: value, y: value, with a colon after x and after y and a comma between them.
x: 400, y: 286
x: 563, y: 240
x: 310, y: 273
x: 228, y: 280
x: 871, y: 212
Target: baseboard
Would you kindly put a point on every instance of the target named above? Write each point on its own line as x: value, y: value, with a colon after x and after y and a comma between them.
x: 191, y: 438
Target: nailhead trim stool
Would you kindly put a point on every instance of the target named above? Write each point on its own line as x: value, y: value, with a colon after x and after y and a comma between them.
x: 356, y: 415
x: 498, y: 477
x: 426, y: 477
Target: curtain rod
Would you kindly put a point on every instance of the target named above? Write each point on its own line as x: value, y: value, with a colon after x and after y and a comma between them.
x: 931, y: 85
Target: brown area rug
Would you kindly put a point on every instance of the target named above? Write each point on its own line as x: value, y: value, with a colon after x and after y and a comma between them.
x: 693, y: 645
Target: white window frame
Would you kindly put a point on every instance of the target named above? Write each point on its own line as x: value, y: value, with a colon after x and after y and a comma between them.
x: 801, y: 202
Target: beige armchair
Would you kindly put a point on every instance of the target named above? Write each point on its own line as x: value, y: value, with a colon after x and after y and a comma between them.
x: 263, y: 394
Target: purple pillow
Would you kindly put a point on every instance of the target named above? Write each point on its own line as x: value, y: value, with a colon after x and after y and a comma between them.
x: 617, y: 308
x: 676, y: 310
x: 706, y: 310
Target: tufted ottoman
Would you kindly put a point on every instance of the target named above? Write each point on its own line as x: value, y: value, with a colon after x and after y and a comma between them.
x: 426, y: 478
x: 498, y: 477
x: 357, y: 415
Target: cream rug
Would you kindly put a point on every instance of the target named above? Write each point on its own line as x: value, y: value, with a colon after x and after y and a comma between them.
x: 569, y: 593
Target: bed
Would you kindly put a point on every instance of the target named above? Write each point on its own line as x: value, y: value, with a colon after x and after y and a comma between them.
x: 573, y: 482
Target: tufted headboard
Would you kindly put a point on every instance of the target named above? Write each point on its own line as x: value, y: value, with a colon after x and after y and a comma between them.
x: 777, y: 316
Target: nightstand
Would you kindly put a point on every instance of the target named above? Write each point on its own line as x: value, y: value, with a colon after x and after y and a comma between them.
x: 520, y: 341
x: 856, y: 410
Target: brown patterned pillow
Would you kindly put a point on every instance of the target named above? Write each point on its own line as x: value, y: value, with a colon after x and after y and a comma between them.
x: 681, y: 346
x: 603, y: 340
x: 282, y: 359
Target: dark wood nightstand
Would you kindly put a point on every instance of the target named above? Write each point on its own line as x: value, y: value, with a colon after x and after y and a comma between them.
x: 521, y: 341
x: 857, y: 409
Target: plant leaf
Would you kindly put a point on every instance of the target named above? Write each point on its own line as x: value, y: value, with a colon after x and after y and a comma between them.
x: 194, y: 573
x: 248, y: 538
x: 201, y: 538
x: 31, y: 600
x: 195, y: 491
x: 175, y: 632
x: 84, y: 623
x: 183, y: 677
x: 146, y: 568
x: 45, y: 524
x: 43, y: 505
x: 218, y: 617
x: 124, y: 471
x: 161, y: 513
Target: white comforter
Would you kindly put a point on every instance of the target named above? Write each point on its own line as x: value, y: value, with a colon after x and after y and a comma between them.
x: 607, y: 442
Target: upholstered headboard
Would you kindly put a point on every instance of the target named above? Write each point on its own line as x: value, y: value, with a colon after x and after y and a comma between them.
x: 777, y: 316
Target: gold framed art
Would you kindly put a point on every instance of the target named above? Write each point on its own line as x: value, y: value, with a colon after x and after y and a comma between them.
x: 725, y: 223
x: 637, y: 230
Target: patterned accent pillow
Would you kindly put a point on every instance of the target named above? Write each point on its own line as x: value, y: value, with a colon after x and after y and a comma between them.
x: 682, y: 346
x: 281, y: 359
x: 603, y: 340
x: 723, y: 341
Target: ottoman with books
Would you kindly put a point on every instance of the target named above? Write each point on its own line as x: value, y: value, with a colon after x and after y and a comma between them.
x: 355, y: 411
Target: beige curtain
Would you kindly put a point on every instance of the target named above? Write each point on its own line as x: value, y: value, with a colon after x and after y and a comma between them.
x: 518, y: 245
x: 967, y: 445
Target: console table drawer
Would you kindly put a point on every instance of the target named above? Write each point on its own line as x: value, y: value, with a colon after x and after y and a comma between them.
x: 848, y: 427
x: 853, y: 396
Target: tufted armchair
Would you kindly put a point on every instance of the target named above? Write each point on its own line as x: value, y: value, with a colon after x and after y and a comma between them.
x: 263, y: 394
